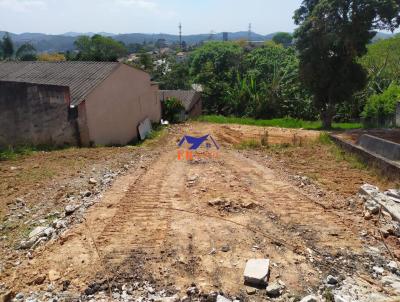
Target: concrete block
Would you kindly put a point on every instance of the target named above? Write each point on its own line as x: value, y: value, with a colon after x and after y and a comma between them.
x: 256, y: 272
x: 382, y: 147
x: 144, y: 128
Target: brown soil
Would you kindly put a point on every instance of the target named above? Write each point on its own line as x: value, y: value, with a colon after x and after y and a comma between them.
x: 161, y: 210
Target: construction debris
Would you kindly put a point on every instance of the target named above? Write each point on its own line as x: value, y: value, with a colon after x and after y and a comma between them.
x: 256, y: 272
x: 388, y: 202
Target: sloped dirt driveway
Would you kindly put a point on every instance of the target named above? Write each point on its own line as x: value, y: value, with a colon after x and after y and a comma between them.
x: 199, y: 222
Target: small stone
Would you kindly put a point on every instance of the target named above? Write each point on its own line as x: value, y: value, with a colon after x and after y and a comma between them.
x: 49, y: 232
x: 378, y: 270
x: 392, y: 266
x: 150, y: 290
x: 372, y: 207
x: 27, y: 244
x: 251, y: 290
x: 19, y: 296
x: 274, y: 289
x: 225, y: 248
x: 59, y: 224
x: 221, y: 298
x: 39, y: 280
x: 87, y: 194
x: 38, y: 232
x: 216, y: 202
x: 54, y: 275
x: 70, y: 209
x: 92, y: 181
x: 367, y: 215
x: 331, y: 280
x: 310, y: 298
x: 256, y: 272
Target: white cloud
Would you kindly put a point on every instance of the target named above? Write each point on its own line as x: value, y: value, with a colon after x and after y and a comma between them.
x: 22, y: 5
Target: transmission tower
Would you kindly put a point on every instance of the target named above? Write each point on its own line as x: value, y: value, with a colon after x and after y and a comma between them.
x: 249, y: 33
x: 180, y: 35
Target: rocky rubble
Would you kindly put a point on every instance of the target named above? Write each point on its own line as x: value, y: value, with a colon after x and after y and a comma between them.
x: 73, y: 211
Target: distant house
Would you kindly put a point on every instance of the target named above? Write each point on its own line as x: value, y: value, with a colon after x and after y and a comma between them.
x: 75, y: 103
x: 190, y: 99
x: 181, y: 57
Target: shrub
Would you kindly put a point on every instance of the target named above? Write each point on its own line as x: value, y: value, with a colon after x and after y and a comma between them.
x: 380, y: 108
x: 172, y: 109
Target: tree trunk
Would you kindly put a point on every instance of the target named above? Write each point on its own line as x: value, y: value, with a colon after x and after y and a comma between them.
x: 326, y: 121
x: 327, y: 116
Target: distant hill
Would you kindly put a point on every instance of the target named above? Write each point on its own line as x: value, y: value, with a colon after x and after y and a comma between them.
x: 64, y: 42
x: 382, y: 36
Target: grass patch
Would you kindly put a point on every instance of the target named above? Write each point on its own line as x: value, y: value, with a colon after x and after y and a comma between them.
x: 324, y: 139
x: 249, y: 144
x: 13, y: 153
x: 352, y: 159
x: 281, y: 122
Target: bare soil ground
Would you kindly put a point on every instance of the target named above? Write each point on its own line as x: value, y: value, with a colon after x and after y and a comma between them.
x: 156, y: 221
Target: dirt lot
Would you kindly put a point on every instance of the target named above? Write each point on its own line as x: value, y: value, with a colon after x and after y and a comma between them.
x: 174, y: 225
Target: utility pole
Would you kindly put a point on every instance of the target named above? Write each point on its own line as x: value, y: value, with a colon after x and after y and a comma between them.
x: 249, y: 33
x: 180, y: 35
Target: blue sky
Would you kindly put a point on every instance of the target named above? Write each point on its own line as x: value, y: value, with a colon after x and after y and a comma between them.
x: 147, y: 16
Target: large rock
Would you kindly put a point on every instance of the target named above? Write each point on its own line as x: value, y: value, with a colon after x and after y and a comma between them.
x: 256, y: 272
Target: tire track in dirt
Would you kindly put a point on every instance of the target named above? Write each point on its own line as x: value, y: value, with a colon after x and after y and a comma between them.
x: 295, y: 211
x: 139, y: 223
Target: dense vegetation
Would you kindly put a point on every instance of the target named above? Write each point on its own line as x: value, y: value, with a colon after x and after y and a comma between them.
x: 328, y: 70
x: 26, y: 52
x: 331, y: 36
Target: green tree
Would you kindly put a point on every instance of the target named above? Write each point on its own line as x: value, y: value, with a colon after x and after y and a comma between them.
x: 7, y: 46
x: 381, y: 107
x: 382, y: 63
x: 99, y: 48
x: 215, y: 65
x: 332, y: 35
x: 275, y: 72
x: 146, y: 62
x: 172, y: 109
x: 26, y: 52
x: 286, y: 39
x: 175, y: 76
